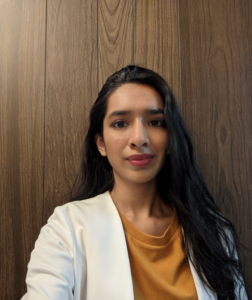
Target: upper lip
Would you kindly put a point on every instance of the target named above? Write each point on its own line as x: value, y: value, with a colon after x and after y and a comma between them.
x: 139, y: 157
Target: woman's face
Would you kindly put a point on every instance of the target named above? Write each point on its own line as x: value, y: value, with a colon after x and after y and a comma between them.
x: 134, y: 125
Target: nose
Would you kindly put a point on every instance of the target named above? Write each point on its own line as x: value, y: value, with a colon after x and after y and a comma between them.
x: 138, y: 135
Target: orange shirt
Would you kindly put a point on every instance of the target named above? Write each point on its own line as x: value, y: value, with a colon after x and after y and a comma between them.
x: 158, y: 264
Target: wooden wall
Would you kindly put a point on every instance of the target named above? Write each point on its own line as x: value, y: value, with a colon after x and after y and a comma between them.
x: 54, y: 57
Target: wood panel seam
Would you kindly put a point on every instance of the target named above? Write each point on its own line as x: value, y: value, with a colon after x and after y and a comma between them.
x: 43, y: 196
x: 133, y: 29
x: 179, y: 59
x: 97, y: 42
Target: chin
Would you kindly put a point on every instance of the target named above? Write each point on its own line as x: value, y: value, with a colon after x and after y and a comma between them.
x: 135, y: 176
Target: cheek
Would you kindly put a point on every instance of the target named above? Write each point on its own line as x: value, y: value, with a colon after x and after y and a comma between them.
x: 160, y: 141
x: 113, y: 144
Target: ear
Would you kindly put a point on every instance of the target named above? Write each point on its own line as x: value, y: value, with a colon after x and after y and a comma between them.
x: 100, y: 145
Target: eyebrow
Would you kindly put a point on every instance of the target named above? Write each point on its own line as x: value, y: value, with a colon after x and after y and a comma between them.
x: 152, y: 111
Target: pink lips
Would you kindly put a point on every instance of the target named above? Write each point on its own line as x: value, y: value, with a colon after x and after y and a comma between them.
x: 140, y: 160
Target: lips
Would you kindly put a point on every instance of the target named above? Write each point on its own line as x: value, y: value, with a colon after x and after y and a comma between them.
x: 139, y: 157
x: 140, y: 160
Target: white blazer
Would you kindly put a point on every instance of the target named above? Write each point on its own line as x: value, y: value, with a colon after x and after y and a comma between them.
x: 81, y: 254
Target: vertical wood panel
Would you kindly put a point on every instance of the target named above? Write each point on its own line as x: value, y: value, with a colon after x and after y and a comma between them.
x: 156, y: 39
x: 71, y: 88
x: 216, y: 76
x: 22, y: 52
x: 115, y: 36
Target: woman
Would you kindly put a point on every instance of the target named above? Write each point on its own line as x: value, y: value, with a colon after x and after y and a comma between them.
x: 148, y: 227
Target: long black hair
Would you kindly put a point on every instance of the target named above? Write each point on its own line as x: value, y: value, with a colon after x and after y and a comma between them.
x: 209, y: 238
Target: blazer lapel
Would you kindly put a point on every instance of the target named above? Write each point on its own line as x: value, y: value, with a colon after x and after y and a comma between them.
x: 108, y: 266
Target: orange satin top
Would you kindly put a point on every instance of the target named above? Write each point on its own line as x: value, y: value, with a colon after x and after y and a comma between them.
x: 159, y: 266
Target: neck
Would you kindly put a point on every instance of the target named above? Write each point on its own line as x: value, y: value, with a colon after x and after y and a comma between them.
x: 138, y: 199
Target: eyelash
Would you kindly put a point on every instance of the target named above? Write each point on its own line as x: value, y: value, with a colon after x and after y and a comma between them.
x: 161, y: 121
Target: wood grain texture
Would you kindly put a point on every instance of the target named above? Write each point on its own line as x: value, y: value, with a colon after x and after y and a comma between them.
x: 216, y: 76
x: 71, y: 88
x: 22, y: 52
x: 156, y: 39
x: 115, y: 37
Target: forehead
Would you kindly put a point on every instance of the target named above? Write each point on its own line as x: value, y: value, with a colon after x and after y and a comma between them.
x: 132, y: 96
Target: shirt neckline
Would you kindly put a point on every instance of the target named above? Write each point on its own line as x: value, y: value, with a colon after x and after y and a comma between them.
x: 143, y: 237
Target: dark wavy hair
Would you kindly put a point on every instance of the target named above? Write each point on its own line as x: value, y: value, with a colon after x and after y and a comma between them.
x: 209, y: 238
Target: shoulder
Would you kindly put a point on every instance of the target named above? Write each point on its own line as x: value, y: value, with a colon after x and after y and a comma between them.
x: 69, y: 221
x: 97, y: 204
x: 84, y: 211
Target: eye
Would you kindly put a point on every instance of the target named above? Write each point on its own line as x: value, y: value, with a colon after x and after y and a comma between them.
x: 157, y: 123
x: 119, y: 124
